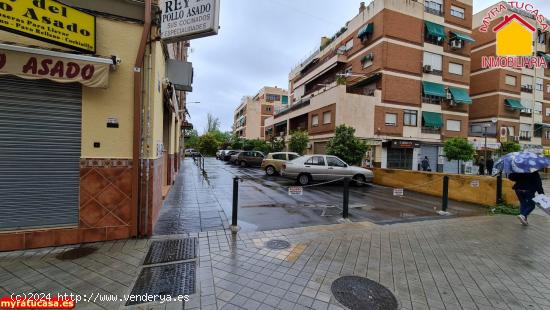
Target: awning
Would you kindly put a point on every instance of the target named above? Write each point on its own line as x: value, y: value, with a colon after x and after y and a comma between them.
x: 432, y: 119
x: 435, y: 30
x: 367, y: 29
x: 35, y: 63
x: 463, y: 37
x: 546, y: 57
x: 513, y: 104
x: 434, y: 89
x: 541, y: 126
x: 460, y: 95
x: 366, y: 81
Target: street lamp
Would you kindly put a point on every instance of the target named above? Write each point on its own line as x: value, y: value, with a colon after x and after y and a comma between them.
x: 493, y: 122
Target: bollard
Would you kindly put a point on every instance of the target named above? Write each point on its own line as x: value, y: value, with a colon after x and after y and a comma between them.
x: 345, y: 212
x: 445, y: 202
x: 234, y: 214
x: 499, y: 189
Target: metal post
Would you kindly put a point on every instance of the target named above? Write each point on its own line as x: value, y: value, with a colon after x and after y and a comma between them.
x: 499, y: 189
x: 345, y: 213
x: 485, y: 151
x: 445, y: 201
x: 234, y: 214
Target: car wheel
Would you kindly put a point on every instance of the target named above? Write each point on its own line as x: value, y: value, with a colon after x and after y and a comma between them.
x: 304, y: 179
x: 243, y: 164
x: 359, y: 180
x: 270, y: 170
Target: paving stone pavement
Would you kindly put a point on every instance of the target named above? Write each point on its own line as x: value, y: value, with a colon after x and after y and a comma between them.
x: 467, y: 263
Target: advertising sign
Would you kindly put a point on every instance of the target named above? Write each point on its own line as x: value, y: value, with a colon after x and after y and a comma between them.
x: 295, y: 191
x: 404, y: 144
x: 183, y: 20
x: 33, y: 66
x: 49, y: 21
x: 398, y: 192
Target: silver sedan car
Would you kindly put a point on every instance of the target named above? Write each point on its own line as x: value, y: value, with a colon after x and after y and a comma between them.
x: 309, y: 168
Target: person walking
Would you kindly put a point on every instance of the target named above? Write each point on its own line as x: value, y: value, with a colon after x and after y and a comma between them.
x: 526, y: 186
x: 490, y: 166
x: 481, y: 164
x: 425, y: 164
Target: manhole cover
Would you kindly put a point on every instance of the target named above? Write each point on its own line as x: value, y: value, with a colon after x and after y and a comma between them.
x: 277, y: 244
x: 76, y: 253
x: 168, y: 280
x: 361, y: 293
x: 171, y: 251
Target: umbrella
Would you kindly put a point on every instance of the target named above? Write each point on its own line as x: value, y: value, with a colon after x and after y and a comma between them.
x: 522, y: 162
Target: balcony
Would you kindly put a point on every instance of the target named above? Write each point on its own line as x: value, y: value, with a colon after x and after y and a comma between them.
x: 429, y: 8
x: 432, y: 100
x: 524, y: 138
x: 430, y: 130
x: 526, y: 112
x: 527, y: 89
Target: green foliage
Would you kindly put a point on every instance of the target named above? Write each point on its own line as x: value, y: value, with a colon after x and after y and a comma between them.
x: 346, y: 145
x: 508, y: 147
x: 459, y: 149
x: 212, y: 123
x: 207, y: 145
x: 505, y: 209
x: 341, y: 80
x: 256, y: 145
x: 192, y: 141
x: 298, y: 142
x: 277, y: 144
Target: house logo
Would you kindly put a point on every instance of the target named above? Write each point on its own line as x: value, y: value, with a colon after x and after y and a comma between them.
x: 515, y: 35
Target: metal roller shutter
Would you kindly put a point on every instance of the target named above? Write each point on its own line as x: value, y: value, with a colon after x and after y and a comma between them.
x: 40, y: 146
x: 432, y: 152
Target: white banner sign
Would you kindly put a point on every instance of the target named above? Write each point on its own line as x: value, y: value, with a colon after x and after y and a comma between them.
x: 295, y: 191
x: 183, y: 20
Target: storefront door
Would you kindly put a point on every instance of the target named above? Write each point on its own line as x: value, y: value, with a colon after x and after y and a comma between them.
x: 400, y: 158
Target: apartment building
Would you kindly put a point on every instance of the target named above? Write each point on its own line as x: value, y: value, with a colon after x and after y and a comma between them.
x: 398, y: 72
x: 509, y: 104
x: 249, y: 117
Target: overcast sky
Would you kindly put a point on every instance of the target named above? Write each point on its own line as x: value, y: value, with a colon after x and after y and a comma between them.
x: 258, y: 44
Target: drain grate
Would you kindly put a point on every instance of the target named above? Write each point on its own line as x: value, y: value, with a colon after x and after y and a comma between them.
x: 277, y: 244
x: 171, y: 251
x: 168, y: 280
x: 76, y: 253
x: 362, y: 293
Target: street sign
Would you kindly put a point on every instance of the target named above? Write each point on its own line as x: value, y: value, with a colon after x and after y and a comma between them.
x: 474, y: 184
x: 183, y: 20
x: 398, y: 192
x: 295, y: 191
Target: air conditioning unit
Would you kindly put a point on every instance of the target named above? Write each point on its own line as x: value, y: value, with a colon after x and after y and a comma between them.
x: 456, y: 44
x: 428, y: 68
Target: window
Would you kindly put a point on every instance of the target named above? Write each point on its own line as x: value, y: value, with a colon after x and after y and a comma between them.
x: 541, y: 37
x: 540, y: 84
x: 510, y: 80
x: 538, y: 108
x: 433, y: 60
x: 548, y: 88
x: 410, y: 118
x: 335, y: 162
x: 349, y: 45
x: 279, y: 156
x: 434, y: 7
x: 292, y: 156
x: 547, y: 135
x: 479, y: 129
x: 511, y: 131
x: 526, y: 84
x: 525, y: 132
x: 391, y: 119
x: 457, y: 12
x: 315, y: 120
x: 456, y: 68
x: 547, y: 111
x: 316, y: 161
x: 327, y: 118
x: 270, y: 97
x: 453, y: 125
x: 268, y: 109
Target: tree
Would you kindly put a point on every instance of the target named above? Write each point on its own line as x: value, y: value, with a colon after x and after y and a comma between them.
x: 277, y: 144
x: 192, y: 140
x: 212, y: 123
x: 256, y: 145
x: 508, y: 147
x: 346, y: 145
x: 298, y: 142
x: 459, y: 149
x: 207, y: 144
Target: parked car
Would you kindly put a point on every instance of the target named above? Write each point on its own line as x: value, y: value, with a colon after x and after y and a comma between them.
x: 191, y: 153
x: 227, y: 155
x: 220, y: 154
x: 248, y: 158
x: 273, y: 162
x: 310, y: 168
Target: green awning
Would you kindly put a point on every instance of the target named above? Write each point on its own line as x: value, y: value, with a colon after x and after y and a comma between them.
x: 367, y: 29
x: 435, y: 30
x: 460, y: 95
x: 546, y: 57
x: 463, y: 37
x: 513, y: 104
x: 432, y: 119
x: 434, y: 89
x: 541, y: 126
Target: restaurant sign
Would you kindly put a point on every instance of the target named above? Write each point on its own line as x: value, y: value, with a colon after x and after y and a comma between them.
x: 183, y: 20
x: 34, y: 66
x: 49, y: 21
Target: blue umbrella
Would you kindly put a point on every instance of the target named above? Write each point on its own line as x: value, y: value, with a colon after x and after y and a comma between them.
x: 522, y: 162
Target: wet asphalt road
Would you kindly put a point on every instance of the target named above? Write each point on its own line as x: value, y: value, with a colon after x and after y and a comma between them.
x: 264, y: 203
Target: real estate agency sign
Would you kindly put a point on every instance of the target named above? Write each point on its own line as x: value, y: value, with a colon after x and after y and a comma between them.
x: 184, y: 20
x: 515, y: 32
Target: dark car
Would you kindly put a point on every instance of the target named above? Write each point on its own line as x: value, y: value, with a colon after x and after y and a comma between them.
x: 250, y: 158
x: 227, y: 155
